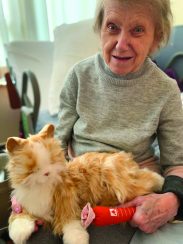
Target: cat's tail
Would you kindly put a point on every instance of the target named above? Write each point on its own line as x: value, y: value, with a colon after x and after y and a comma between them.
x: 148, y: 181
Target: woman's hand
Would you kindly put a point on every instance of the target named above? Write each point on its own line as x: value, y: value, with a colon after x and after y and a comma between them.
x: 153, y: 210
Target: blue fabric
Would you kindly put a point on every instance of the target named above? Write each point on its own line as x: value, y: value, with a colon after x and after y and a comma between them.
x: 45, y: 118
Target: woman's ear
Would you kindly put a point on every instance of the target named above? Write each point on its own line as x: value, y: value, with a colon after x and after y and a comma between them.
x: 47, y: 131
x: 13, y: 143
x: 156, y: 43
x: 154, y: 47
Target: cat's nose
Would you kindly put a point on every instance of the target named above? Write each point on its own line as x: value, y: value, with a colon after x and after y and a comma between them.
x: 46, y: 174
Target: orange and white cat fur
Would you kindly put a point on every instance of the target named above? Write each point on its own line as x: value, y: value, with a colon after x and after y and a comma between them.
x: 51, y: 189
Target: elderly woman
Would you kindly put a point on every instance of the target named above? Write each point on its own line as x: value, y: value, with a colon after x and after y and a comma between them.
x: 120, y: 100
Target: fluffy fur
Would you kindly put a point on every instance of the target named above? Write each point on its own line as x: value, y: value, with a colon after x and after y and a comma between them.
x: 55, y: 191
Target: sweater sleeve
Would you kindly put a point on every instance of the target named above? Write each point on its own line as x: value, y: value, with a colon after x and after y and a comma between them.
x: 170, y: 130
x: 67, y: 111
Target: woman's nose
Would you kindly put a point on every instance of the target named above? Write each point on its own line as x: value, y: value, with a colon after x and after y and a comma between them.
x: 122, y: 41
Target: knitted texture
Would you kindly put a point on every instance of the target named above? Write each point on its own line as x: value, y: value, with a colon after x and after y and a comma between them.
x: 104, y: 112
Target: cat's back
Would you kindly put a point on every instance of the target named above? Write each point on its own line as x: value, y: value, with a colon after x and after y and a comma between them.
x: 94, y: 161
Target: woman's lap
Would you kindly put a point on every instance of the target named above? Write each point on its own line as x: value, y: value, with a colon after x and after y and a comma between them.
x: 113, y: 234
x: 169, y: 234
x: 44, y: 236
x: 98, y: 235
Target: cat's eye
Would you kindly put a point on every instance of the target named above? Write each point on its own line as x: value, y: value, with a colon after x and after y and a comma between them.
x: 33, y: 170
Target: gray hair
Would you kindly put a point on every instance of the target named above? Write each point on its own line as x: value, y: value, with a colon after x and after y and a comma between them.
x: 160, y: 9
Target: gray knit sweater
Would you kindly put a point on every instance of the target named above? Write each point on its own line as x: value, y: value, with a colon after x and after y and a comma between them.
x: 102, y: 111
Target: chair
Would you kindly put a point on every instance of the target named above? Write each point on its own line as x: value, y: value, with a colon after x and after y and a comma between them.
x: 9, y: 110
x: 10, y: 105
x: 30, y: 105
x: 176, y: 63
x: 4, y: 194
x: 171, y: 56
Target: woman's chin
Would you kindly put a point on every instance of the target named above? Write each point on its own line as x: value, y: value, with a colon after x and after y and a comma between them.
x: 120, y: 71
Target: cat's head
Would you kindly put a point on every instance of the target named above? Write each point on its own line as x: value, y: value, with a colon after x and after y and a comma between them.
x: 36, y: 160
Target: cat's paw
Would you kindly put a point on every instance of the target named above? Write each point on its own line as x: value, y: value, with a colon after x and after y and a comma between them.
x: 76, y: 237
x: 21, y: 229
x: 74, y: 233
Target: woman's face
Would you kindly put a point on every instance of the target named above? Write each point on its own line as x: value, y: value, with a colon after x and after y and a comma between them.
x: 127, y: 36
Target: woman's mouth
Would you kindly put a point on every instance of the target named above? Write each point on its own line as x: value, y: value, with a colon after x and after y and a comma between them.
x: 127, y: 58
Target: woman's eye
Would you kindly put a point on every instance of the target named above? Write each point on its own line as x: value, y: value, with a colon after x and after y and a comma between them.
x: 112, y: 27
x: 138, y: 30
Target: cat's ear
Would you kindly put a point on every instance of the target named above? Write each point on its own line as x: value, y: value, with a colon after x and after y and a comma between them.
x: 14, y: 142
x: 47, y: 131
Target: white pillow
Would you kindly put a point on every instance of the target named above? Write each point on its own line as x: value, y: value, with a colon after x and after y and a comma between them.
x: 72, y: 43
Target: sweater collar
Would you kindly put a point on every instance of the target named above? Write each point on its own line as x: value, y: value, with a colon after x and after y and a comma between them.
x: 123, y: 80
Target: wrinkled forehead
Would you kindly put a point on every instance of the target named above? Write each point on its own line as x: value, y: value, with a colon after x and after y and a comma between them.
x: 137, y: 8
x: 145, y: 5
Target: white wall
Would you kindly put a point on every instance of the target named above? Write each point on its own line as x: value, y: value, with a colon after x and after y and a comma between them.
x: 177, y: 9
